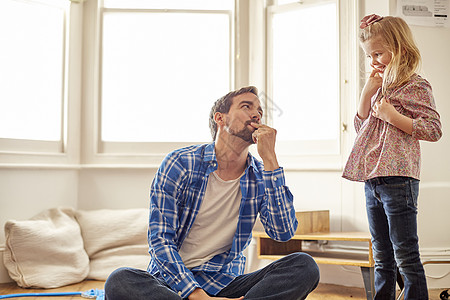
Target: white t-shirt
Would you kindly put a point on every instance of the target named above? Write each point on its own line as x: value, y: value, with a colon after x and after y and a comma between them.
x: 215, y: 225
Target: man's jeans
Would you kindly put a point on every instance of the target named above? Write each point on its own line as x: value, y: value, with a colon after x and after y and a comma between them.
x: 391, y: 204
x: 290, y: 278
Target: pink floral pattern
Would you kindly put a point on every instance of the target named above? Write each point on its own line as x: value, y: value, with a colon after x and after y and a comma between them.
x: 381, y: 149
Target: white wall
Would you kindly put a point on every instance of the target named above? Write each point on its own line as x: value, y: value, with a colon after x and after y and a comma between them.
x: 115, y: 189
x: 434, y: 44
x: 345, y: 200
x: 434, y: 204
x: 25, y: 192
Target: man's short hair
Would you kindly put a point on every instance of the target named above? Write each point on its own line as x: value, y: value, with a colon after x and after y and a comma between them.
x: 223, y: 105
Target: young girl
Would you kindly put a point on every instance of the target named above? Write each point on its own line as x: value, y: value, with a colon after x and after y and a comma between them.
x: 396, y: 110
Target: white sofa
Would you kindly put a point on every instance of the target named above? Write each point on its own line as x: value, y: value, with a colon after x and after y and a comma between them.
x: 63, y: 246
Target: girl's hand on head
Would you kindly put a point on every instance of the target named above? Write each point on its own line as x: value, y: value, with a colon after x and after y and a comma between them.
x: 384, y: 110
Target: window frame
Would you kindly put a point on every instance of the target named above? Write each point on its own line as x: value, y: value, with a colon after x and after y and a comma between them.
x: 348, y: 79
x: 250, y: 62
x: 64, y: 151
x: 149, y: 154
x: 79, y: 144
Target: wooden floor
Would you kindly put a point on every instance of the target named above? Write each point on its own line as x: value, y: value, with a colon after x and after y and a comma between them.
x: 323, y: 291
x: 337, y: 292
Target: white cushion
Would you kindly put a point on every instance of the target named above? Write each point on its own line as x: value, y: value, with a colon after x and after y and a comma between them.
x: 46, y: 251
x: 114, y: 238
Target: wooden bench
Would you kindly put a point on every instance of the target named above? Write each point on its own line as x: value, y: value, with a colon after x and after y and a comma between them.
x: 270, y: 249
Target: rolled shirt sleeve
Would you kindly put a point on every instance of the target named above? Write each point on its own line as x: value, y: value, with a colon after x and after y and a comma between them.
x: 277, y: 211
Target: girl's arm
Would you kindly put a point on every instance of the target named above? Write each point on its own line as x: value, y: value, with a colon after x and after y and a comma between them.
x: 372, y: 85
x: 385, y: 111
x: 426, y: 120
x: 418, y: 116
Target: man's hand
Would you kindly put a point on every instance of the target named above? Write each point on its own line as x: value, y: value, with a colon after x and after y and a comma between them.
x: 264, y: 137
x: 199, y: 294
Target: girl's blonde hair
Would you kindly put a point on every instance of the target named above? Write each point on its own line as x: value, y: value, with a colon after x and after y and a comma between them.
x: 396, y: 36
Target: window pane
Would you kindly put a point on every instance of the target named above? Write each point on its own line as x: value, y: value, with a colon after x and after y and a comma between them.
x: 31, y: 72
x: 171, y: 4
x: 161, y: 74
x: 305, y: 74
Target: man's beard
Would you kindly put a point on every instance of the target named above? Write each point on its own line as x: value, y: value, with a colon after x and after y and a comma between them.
x: 245, y: 133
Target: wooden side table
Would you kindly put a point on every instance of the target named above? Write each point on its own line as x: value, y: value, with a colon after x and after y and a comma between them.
x: 270, y: 249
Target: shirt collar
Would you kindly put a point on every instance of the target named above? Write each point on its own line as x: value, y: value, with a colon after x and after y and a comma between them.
x: 210, y: 156
x: 210, y: 153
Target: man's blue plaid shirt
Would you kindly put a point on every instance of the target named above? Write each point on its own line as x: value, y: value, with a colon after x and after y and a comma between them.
x: 175, y: 198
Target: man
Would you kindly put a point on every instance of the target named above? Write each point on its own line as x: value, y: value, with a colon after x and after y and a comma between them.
x: 203, y: 204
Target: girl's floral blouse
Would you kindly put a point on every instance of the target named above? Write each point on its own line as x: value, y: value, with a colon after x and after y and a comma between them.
x: 382, y: 149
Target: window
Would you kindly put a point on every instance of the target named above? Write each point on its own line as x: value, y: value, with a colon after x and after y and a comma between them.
x: 153, y: 69
x: 162, y: 64
x: 303, y: 78
x: 32, y: 75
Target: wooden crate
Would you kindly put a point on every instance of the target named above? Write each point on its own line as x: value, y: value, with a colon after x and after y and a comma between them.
x: 313, y: 221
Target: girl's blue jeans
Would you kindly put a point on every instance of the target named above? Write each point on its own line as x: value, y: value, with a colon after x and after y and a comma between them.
x: 290, y: 278
x: 391, y: 204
